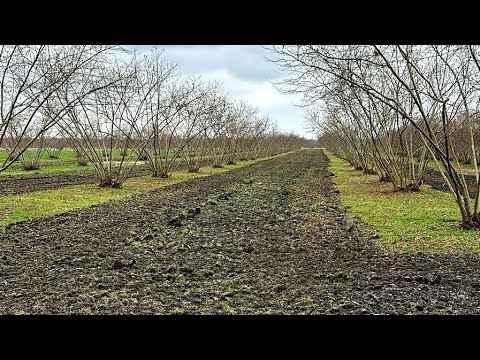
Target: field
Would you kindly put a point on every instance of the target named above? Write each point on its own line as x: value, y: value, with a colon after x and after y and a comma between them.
x: 271, y: 236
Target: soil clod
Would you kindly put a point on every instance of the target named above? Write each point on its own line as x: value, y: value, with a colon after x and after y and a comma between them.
x: 120, y: 264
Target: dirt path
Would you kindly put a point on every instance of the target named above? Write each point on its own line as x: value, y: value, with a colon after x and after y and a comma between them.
x: 268, y: 238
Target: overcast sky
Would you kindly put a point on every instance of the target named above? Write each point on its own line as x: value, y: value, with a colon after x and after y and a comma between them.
x: 245, y: 73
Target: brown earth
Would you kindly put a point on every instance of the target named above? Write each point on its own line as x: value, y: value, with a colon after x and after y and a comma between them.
x: 272, y: 237
x: 433, y: 178
x: 20, y: 184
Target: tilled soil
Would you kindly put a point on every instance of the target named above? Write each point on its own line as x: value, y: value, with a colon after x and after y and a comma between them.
x: 20, y: 184
x: 269, y: 238
x: 436, y: 181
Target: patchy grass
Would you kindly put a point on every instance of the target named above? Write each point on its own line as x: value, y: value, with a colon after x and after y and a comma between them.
x: 16, y: 208
x: 426, y: 221
x: 57, y: 168
x: 66, y: 163
x: 64, y: 155
x: 50, y: 169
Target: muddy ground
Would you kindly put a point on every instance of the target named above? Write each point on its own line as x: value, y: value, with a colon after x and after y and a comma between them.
x: 271, y: 238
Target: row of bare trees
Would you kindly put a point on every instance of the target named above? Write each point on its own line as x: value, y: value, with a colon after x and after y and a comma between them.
x: 390, y: 109
x: 30, y: 78
x: 89, y: 99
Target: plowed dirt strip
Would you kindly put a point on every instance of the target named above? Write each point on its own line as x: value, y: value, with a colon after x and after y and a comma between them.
x: 20, y: 184
x: 434, y: 178
x: 268, y: 238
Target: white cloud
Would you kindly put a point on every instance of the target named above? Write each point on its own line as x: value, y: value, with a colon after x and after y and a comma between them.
x: 265, y: 96
x: 244, y: 73
x: 257, y: 93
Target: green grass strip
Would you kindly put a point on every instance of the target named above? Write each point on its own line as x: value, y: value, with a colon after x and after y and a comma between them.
x: 425, y: 221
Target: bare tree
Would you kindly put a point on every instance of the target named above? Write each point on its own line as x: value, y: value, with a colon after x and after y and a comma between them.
x: 179, y: 118
x: 30, y: 76
x: 105, y: 118
x: 240, y: 113
x: 217, y: 128
x: 424, y: 88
